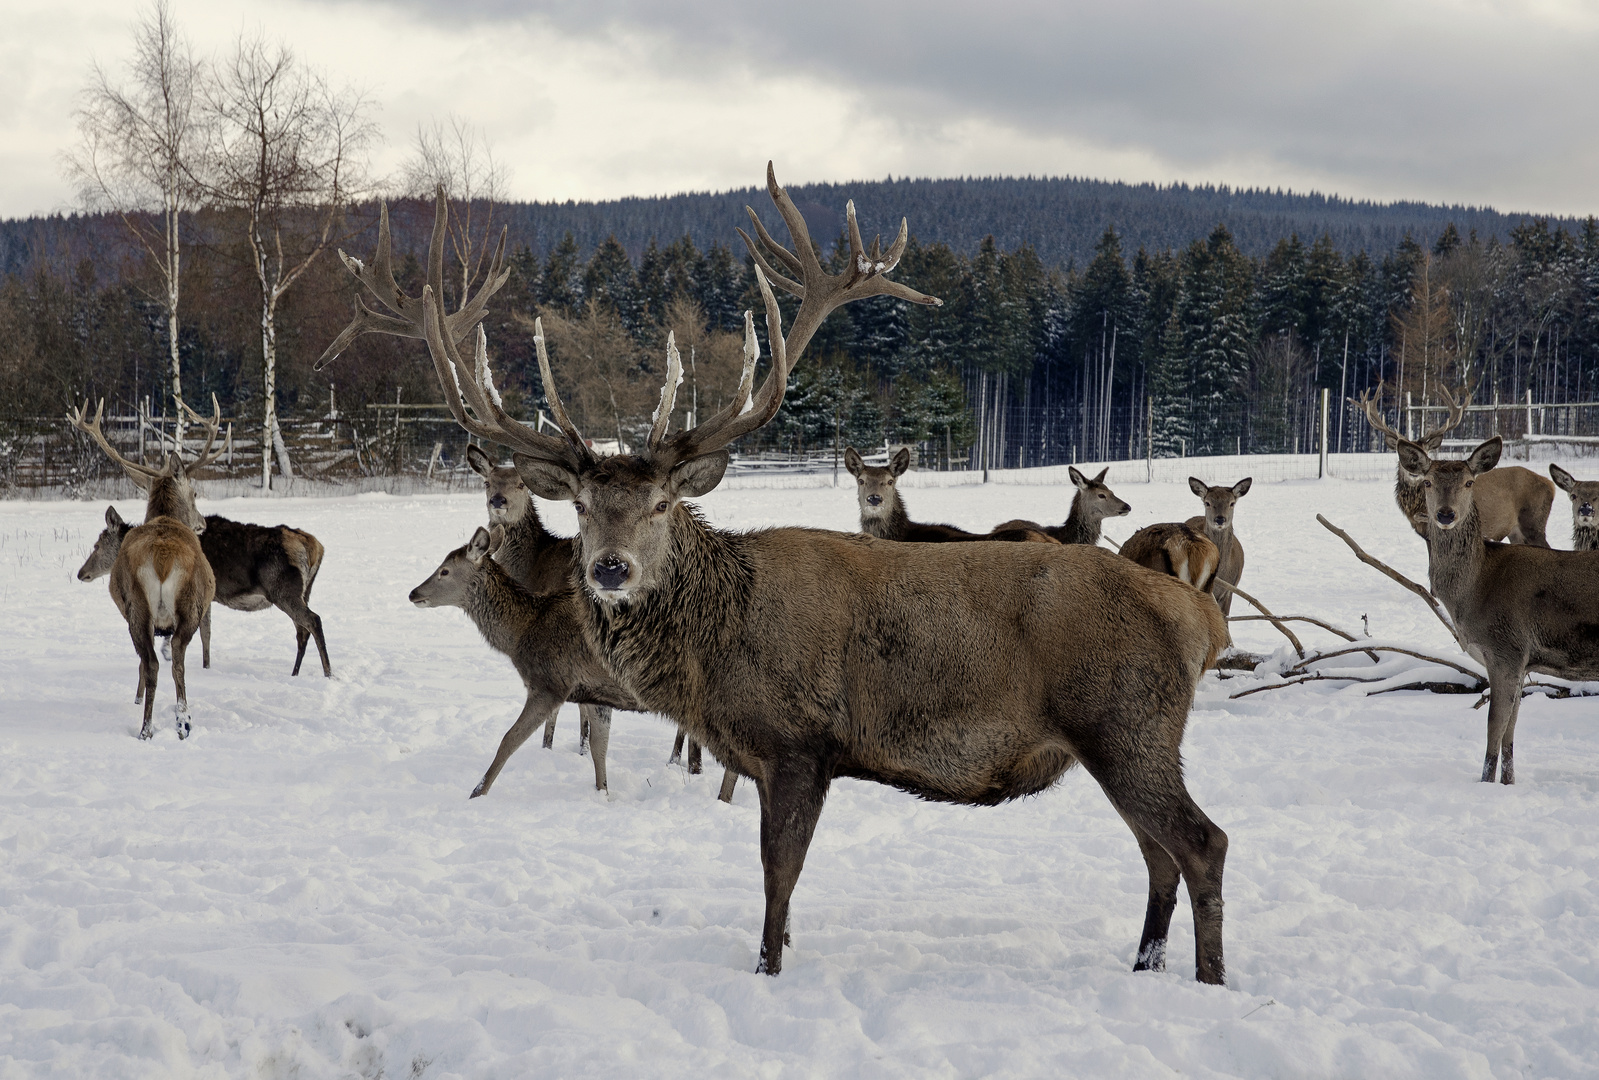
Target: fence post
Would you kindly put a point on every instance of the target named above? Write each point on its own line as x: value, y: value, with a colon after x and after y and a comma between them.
x: 1529, y: 410
x: 1321, y: 471
x: 1149, y: 440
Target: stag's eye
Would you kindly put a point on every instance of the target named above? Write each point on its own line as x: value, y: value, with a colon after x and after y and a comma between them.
x: 660, y: 507
x: 1470, y: 482
x: 1426, y: 483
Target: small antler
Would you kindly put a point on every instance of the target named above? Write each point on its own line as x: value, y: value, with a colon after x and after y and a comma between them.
x: 134, y: 470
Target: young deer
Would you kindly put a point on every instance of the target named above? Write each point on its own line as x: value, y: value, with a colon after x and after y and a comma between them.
x: 1584, y: 498
x: 1175, y: 548
x: 883, y: 512
x: 967, y: 673
x: 1217, y: 525
x: 1517, y: 608
x: 541, y: 562
x: 160, y: 580
x: 1093, y: 503
x: 1513, y: 503
x: 541, y: 636
x: 255, y: 566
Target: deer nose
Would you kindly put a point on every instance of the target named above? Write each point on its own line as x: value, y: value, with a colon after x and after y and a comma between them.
x: 1221, y: 519
x: 1586, y: 509
x: 496, y: 502
x: 83, y: 575
x: 874, y: 500
x: 1446, y: 517
x: 611, y: 571
x: 417, y: 598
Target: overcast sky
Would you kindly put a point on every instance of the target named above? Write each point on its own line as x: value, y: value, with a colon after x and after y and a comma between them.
x: 1487, y: 103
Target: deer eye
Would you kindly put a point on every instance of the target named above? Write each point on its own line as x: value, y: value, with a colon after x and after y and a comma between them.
x: 660, y: 507
x: 579, y: 507
x: 1470, y: 482
x: 1426, y: 483
x: 444, y: 573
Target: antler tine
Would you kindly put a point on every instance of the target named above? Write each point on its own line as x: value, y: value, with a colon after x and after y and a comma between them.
x: 93, y: 430
x: 795, y: 221
x: 1368, y: 401
x: 778, y: 250
x: 674, y: 378
x: 212, y: 426
x: 557, y: 408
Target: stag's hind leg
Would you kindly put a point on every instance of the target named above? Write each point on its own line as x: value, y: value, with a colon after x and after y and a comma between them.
x: 149, y: 668
x: 307, y: 625
x: 1164, y: 877
x: 792, y: 793
x: 180, y: 647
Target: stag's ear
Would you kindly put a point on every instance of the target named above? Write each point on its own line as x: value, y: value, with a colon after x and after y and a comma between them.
x: 696, y: 476
x: 1241, y: 488
x: 1413, y: 459
x: 478, y: 460
x: 113, y: 520
x: 1079, y: 481
x: 901, y: 462
x: 1563, y: 480
x: 1485, y: 456
x: 852, y: 460
x: 546, y: 479
x: 481, y: 544
x: 1197, y: 486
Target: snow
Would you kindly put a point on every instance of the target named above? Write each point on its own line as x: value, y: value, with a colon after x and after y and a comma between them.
x: 302, y: 889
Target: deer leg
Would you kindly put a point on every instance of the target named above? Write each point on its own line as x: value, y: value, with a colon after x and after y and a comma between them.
x: 792, y: 793
x: 144, y: 645
x: 729, y: 782
x: 696, y: 758
x: 599, y: 741
x: 537, y: 708
x: 180, y: 647
x: 205, y: 637
x: 1163, y: 879
x: 585, y: 724
x: 307, y: 624
x: 1504, y: 702
x: 677, y: 748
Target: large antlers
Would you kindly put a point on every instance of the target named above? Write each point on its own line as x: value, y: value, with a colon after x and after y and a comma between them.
x: 408, y: 310
x: 136, y: 472
x: 1434, y: 436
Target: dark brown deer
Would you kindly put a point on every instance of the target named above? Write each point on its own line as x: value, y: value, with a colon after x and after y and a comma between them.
x: 967, y: 673
x: 1584, y: 498
x: 1513, y: 503
x: 1175, y: 548
x: 1217, y: 524
x: 539, y: 633
x: 883, y: 513
x: 255, y: 566
x: 1516, y: 607
x: 1093, y: 503
x: 160, y: 580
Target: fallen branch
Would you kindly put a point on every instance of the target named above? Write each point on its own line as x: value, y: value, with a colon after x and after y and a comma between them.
x: 1274, y: 620
x: 1346, y: 635
x: 1432, y: 601
x: 1312, y: 677
x: 1386, y: 648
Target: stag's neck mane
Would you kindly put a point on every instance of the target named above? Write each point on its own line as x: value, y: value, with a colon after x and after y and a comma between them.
x: 1078, y: 528
x: 1454, y: 560
x: 165, y: 499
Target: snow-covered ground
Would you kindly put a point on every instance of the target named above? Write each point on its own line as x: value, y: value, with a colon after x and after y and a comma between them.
x: 302, y: 889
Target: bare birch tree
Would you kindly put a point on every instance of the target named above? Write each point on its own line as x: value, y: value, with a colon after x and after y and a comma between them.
x: 286, y: 151
x: 140, y: 142
x: 457, y: 157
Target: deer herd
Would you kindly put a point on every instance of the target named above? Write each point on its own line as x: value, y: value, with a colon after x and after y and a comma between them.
x: 960, y: 667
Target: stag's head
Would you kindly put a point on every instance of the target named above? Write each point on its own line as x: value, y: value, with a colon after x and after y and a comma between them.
x: 507, y: 495
x: 169, y: 490
x: 449, y: 584
x: 1093, y: 499
x: 1584, y: 497
x: 1448, y: 484
x: 1219, y: 500
x: 874, y: 485
x: 106, y: 547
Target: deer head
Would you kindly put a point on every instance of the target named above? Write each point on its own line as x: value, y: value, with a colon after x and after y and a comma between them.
x: 1448, y: 484
x: 169, y: 490
x: 1219, y: 501
x: 507, y: 496
x: 874, y: 485
x: 1584, y: 497
x: 1094, y: 500
x: 449, y: 584
x: 106, y: 547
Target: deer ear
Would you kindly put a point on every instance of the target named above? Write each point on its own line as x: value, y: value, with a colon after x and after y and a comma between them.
x: 478, y: 460
x: 696, y: 476
x: 1100, y: 479
x: 1241, y: 488
x: 480, y: 545
x: 1485, y: 456
x: 852, y: 460
x: 901, y: 462
x: 1413, y: 459
x: 113, y: 520
x: 1197, y: 486
x: 496, y: 538
x: 1563, y: 480
x: 546, y: 479
x: 1079, y: 481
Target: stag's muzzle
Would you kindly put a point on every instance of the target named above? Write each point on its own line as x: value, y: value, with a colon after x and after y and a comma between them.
x: 1446, y: 518
x: 611, y: 572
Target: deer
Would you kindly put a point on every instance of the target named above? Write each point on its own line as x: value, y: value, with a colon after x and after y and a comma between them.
x: 1516, y: 607
x: 1584, y: 497
x: 255, y: 567
x: 1175, y: 548
x: 160, y: 580
x: 963, y: 673
x: 1093, y: 503
x: 1513, y: 503
x: 883, y: 513
x: 1217, y: 525
x: 538, y: 632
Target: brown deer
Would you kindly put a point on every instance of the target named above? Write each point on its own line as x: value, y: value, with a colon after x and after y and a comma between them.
x: 1175, y: 548
x: 1217, y: 525
x: 1093, y: 503
x: 255, y: 566
x: 541, y: 636
x: 883, y: 513
x: 1513, y: 503
x: 1517, y: 608
x: 967, y: 673
x: 1584, y: 498
x: 160, y: 580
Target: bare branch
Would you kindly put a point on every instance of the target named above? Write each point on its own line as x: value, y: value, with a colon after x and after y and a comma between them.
x: 1432, y: 601
x: 1274, y: 620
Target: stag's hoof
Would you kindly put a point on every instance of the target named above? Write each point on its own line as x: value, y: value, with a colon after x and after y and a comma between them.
x: 146, y: 734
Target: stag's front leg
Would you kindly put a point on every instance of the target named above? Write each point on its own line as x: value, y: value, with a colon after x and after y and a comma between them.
x: 205, y: 637
x: 792, y: 793
x: 599, y: 742
x: 538, y: 708
x: 1504, y: 703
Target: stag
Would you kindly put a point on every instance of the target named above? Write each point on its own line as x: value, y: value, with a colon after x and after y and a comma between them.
x: 1584, y: 498
x: 1513, y: 503
x: 160, y: 580
x: 1093, y: 503
x: 1516, y: 607
x: 1175, y: 548
x: 1217, y: 525
x: 966, y: 673
x: 884, y: 516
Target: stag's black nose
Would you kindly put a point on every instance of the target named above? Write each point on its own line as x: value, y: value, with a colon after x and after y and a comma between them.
x: 496, y: 502
x: 874, y: 500
x: 1446, y: 517
x: 610, y: 572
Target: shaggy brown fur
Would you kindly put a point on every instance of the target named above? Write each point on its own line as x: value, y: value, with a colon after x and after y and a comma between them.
x: 1177, y: 549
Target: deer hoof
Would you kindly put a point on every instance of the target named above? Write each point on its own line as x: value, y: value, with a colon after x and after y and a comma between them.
x: 477, y: 791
